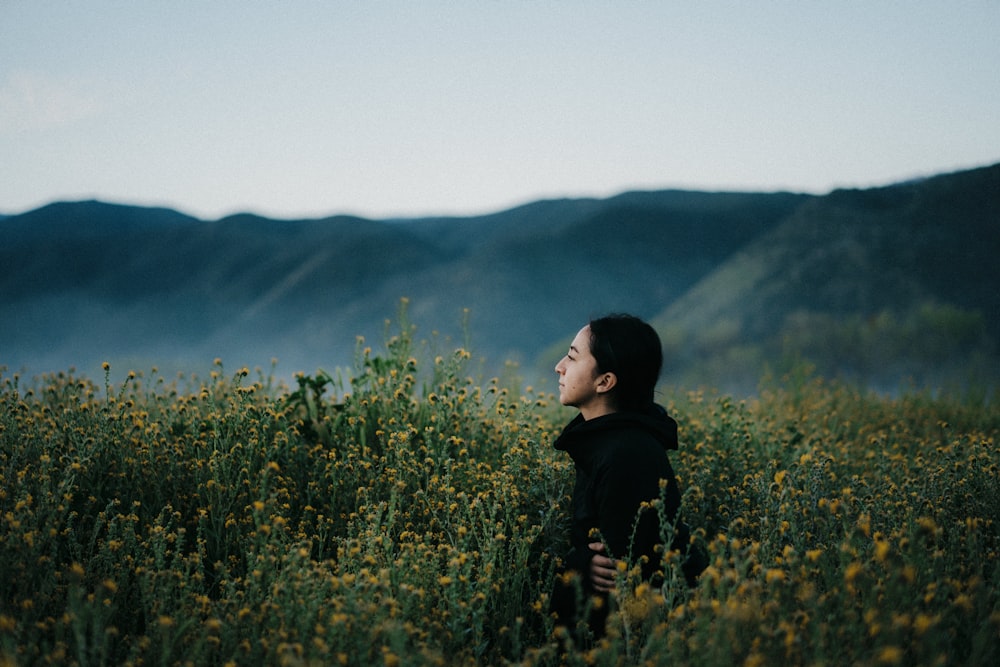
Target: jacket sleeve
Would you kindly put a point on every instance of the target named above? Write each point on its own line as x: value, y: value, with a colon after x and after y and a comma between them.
x: 578, y: 560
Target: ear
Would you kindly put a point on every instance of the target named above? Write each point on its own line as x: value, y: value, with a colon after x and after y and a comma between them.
x: 606, y: 382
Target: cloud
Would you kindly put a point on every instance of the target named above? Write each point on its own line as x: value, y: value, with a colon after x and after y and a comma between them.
x: 32, y: 101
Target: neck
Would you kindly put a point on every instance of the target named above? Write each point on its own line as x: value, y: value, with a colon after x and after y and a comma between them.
x: 598, y: 409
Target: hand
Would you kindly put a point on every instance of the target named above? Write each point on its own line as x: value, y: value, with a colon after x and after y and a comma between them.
x: 602, y: 569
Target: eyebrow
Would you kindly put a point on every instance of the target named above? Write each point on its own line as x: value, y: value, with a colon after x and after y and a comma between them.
x: 572, y: 348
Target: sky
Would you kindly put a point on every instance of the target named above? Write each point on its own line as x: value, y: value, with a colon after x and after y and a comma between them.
x: 405, y: 109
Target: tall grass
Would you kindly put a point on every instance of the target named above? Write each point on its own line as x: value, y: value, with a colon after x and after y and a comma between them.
x: 407, y: 513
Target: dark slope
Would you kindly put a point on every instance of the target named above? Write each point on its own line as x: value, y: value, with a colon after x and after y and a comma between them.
x: 735, y: 281
x: 864, y: 278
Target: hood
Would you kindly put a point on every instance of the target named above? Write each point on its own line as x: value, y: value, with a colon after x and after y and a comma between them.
x: 653, y: 420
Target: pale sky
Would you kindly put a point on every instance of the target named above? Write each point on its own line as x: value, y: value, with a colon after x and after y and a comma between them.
x: 392, y: 108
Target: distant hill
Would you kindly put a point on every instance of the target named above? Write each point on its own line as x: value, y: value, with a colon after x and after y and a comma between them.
x: 873, y: 285
x: 738, y: 283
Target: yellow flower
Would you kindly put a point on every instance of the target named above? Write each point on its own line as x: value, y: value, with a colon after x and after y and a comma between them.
x: 636, y: 609
x: 963, y: 602
x: 889, y: 655
x: 922, y: 623
x: 881, y: 550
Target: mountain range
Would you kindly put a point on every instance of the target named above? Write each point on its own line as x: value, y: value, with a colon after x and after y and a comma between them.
x: 884, y: 286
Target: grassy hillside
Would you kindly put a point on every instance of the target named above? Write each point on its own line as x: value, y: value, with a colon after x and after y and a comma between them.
x: 879, y: 286
x: 885, y: 286
x: 90, y: 282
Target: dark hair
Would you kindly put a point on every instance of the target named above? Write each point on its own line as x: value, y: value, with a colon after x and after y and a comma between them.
x: 630, y: 348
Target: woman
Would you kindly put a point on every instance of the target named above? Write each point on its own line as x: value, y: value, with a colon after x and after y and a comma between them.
x: 618, y: 444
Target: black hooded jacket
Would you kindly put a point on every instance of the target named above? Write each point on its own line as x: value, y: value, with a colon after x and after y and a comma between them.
x: 620, y: 459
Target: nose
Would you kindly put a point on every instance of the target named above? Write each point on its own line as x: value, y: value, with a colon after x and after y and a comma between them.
x: 559, y: 367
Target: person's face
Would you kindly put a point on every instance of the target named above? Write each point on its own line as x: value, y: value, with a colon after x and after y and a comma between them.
x: 579, y: 383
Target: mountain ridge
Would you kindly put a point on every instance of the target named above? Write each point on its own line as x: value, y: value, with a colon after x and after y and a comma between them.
x: 719, y: 273
x: 918, y: 247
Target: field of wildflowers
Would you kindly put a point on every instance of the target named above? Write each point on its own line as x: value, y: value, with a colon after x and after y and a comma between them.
x: 413, y: 515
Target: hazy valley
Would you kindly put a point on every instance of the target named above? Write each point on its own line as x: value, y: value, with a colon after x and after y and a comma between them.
x: 880, y: 286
